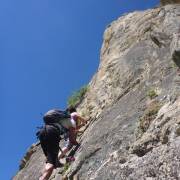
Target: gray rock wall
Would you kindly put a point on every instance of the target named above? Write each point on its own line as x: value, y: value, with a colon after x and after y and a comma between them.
x: 134, y: 104
x: 164, y: 2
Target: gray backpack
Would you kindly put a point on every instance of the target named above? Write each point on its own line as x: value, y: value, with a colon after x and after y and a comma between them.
x: 55, y: 116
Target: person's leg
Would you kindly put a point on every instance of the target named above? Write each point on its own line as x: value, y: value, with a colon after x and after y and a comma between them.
x: 63, y: 152
x: 44, y: 147
x: 72, y: 138
x: 70, y: 142
x: 47, y: 172
x: 43, y: 142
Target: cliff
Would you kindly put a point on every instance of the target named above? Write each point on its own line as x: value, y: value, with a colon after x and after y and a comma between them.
x: 134, y: 104
x: 164, y: 2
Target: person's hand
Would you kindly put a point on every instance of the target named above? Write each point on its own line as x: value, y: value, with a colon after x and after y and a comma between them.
x: 85, y: 122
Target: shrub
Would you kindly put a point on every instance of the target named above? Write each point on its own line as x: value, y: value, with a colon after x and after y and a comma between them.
x: 66, y: 167
x: 77, y: 96
x: 152, y: 93
x: 173, y: 65
x: 149, y: 115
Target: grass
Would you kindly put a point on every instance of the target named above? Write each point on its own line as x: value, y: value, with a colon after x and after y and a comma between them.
x: 152, y: 93
x: 77, y: 96
x: 173, y: 65
x: 66, y: 167
x: 149, y: 115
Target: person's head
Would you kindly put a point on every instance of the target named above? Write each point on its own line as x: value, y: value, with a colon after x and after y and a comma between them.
x: 71, y: 109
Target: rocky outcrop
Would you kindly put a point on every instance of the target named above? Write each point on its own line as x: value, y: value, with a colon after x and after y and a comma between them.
x: 32, y: 166
x: 164, y: 2
x: 134, y: 104
x: 28, y: 155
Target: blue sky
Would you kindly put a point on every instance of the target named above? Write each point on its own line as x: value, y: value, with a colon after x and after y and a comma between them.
x: 48, y: 49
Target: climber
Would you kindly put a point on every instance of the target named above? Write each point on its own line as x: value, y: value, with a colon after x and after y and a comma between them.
x: 56, y: 124
x: 77, y: 122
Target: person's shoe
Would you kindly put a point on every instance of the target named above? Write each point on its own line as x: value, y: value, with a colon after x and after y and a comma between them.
x: 59, y: 164
x: 70, y: 159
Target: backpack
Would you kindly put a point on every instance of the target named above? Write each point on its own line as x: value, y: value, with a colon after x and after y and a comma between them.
x: 55, y: 116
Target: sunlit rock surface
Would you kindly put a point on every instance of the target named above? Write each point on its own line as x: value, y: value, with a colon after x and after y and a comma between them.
x: 134, y: 104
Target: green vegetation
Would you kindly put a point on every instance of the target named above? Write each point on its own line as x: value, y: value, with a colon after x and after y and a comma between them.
x: 149, y: 115
x: 173, y: 65
x: 66, y: 167
x: 152, y: 93
x: 77, y: 96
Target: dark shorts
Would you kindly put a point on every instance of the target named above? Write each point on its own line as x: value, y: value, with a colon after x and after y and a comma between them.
x: 49, y: 139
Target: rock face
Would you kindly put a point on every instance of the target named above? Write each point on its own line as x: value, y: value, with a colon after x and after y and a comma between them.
x: 164, y: 2
x: 134, y: 104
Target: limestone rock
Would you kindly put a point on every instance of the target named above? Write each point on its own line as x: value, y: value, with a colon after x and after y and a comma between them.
x: 175, y: 48
x: 164, y: 2
x: 137, y: 57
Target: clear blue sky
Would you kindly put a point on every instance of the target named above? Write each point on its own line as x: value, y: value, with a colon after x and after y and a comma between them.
x: 48, y: 49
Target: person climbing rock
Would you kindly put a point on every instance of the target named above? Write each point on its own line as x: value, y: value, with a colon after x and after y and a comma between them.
x: 77, y: 122
x: 56, y: 124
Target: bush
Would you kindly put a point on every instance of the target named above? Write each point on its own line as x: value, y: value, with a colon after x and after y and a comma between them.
x: 66, y: 167
x: 77, y: 96
x: 149, y: 115
x: 152, y: 93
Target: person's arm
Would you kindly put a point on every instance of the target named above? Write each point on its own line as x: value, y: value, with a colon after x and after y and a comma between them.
x: 82, y: 121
